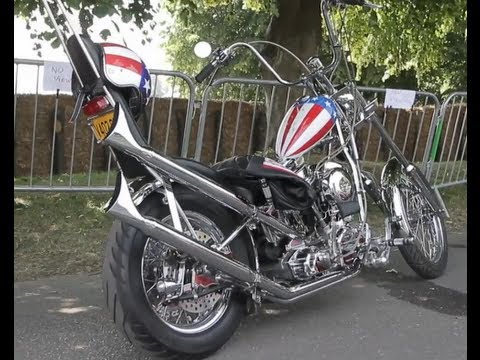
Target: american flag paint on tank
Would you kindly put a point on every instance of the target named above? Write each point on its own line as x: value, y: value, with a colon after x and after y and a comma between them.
x: 307, y: 122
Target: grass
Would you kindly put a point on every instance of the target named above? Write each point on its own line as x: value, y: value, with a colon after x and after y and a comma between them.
x: 455, y: 199
x: 78, y: 179
x: 64, y: 233
x: 58, y: 234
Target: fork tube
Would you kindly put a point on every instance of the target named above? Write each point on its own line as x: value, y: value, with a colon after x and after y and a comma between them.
x: 358, y: 172
x: 332, y: 35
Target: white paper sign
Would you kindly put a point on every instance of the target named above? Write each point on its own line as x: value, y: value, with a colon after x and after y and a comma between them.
x: 399, y: 99
x: 57, y: 75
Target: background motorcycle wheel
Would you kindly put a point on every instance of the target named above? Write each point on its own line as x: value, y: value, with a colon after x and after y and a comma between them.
x: 428, y: 255
x: 127, y: 301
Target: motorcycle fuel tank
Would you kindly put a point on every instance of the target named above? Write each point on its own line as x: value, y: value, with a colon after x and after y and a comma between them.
x: 304, y: 125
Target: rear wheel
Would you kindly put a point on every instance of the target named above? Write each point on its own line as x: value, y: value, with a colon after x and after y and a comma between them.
x: 428, y: 255
x: 140, y: 280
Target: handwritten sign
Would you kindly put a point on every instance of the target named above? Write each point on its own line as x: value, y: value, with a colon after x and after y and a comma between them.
x: 57, y: 75
x: 399, y: 99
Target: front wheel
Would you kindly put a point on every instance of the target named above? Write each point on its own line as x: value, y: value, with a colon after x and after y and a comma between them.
x: 141, y: 279
x: 428, y: 254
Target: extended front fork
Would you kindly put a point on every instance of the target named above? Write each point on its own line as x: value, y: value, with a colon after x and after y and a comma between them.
x: 387, y: 195
x: 390, y: 181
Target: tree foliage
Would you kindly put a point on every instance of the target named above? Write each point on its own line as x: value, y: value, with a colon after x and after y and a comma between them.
x: 220, y: 26
x: 139, y: 12
x: 426, y: 36
x: 414, y: 42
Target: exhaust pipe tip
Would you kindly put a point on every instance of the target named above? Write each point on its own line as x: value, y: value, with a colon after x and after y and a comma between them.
x: 115, y: 193
x: 121, y: 204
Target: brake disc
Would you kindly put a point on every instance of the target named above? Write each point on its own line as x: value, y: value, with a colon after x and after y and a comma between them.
x: 200, y: 304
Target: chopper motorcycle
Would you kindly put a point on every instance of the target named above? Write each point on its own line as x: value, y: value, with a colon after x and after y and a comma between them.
x: 195, y: 247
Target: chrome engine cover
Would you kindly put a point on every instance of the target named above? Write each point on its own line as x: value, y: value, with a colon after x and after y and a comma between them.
x: 306, y: 261
x: 337, y: 182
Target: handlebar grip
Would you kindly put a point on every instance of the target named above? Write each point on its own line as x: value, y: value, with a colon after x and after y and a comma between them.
x: 206, y: 71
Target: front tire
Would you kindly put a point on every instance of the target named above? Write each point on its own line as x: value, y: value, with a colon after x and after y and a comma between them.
x: 428, y: 255
x: 131, y: 307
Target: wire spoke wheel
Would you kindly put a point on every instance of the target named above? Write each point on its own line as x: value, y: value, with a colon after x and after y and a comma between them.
x: 424, y: 224
x: 428, y: 255
x: 163, y: 276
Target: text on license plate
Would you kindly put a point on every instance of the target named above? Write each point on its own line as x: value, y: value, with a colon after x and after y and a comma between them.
x: 101, y: 125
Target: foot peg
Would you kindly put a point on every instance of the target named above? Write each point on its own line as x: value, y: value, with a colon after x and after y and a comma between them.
x: 400, y: 241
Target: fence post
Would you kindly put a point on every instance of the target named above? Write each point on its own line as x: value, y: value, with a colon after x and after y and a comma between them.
x: 426, y: 165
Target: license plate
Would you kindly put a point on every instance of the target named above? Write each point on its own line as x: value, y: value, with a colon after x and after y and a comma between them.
x: 101, y: 125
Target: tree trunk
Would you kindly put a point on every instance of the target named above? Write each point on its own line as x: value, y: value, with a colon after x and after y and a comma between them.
x: 298, y: 28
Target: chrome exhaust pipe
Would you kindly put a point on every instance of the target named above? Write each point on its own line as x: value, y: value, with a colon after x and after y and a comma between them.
x: 121, y: 138
x: 122, y: 207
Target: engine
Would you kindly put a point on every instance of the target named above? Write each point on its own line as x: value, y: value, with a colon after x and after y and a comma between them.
x: 305, y: 261
x: 318, y: 250
x: 308, y: 262
x: 300, y: 261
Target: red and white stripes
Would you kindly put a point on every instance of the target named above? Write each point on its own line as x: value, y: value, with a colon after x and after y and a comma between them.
x: 304, y: 125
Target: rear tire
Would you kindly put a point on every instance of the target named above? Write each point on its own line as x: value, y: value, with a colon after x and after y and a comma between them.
x: 124, y: 292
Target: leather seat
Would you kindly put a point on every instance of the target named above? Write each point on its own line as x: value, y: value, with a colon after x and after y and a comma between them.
x: 242, y: 174
x: 289, y: 191
x: 198, y: 168
x: 244, y: 191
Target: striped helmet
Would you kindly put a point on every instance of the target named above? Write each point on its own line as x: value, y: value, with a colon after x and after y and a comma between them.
x: 125, y: 69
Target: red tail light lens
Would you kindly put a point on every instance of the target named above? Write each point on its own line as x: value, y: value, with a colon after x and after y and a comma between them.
x: 95, y: 106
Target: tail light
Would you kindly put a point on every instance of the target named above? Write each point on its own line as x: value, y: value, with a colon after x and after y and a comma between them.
x: 95, y: 106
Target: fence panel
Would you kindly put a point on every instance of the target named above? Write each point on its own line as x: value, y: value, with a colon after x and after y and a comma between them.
x: 447, y: 161
x: 52, y: 155
x: 228, y: 127
x: 237, y: 116
x: 412, y: 130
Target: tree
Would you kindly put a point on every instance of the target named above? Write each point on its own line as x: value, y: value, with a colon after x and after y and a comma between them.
x: 427, y: 37
x: 236, y: 24
x: 140, y: 12
x: 421, y: 42
x: 418, y: 44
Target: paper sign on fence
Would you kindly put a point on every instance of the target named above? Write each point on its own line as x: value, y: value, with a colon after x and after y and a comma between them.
x: 57, y: 75
x: 399, y: 99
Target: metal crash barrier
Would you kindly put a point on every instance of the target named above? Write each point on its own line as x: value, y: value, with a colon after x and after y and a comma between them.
x: 235, y: 116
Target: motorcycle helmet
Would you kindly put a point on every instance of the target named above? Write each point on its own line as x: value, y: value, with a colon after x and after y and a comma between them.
x: 125, y: 70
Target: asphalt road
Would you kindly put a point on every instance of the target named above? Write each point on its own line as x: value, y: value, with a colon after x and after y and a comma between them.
x: 379, y: 315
